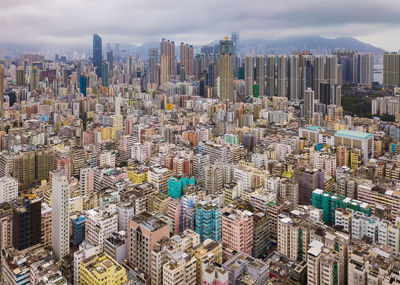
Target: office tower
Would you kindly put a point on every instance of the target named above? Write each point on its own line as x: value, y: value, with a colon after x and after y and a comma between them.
x: 144, y: 231
x: 236, y: 63
x: 281, y: 82
x: 208, y: 220
x: 20, y: 74
x: 101, y: 269
x: 331, y: 69
x: 26, y: 222
x: 186, y: 60
x: 260, y: 75
x: 391, y: 70
x: 1, y: 87
x: 237, y: 230
x: 319, y: 74
x: 34, y: 79
x: 153, y: 59
x: 82, y: 84
x: 365, y: 68
x: 271, y: 75
x: 8, y: 189
x: 60, y: 214
x: 167, y: 53
x: 97, y: 54
x: 212, y: 70
x: 105, y: 77
x: 226, y: 70
x: 100, y: 224
x: 294, y: 77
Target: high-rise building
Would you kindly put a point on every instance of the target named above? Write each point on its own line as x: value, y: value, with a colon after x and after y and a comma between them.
x: 144, y: 231
x: 60, y: 214
x: 282, y: 73
x: 208, y: 220
x: 331, y: 69
x: 249, y: 76
x: 235, y: 40
x: 319, y: 74
x: 309, y: 180
x: 34, y: 79
x: 167, y: 53
x: 105, y: 76
x: 26, y: 222
x: 391, y: 70
x: 365, y: 68
x: 226, y: 70
x: 186, y: 60
x: 308, y: 104
x: 237, y: 230
x: 153, y: 59
x: 97, y: 54
x: 82, y: 84
x: 260, y: 75
x: 20, y: 74
x: 271, y: 75
x: 294, y: 78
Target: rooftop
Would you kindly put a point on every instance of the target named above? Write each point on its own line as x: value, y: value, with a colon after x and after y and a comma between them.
x: 353, y: 134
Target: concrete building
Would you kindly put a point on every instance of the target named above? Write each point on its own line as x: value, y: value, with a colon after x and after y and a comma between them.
x: 8, y: 189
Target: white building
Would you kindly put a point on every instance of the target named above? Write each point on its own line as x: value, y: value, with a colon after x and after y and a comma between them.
x: 60, y: 214
x: 86, y: 250
x: 8, y: 189
x: 100, y: 224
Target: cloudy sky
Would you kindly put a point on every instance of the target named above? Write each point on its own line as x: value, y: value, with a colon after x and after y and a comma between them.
x: 72, y: 22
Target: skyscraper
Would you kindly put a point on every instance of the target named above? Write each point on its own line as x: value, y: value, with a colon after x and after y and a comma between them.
x: 331, y: 69
x: 186, y: 60
x: 60, y: 214
x: 82, y: 84
x: 319, y: 74
x: 308, y: 104
x: 20, y: 76
x: 365, y: 68
x: 34, y: 79
x: 260, y: 74
x: 167, y: 53
x: 153, y: 59
x: 294, y: 77
x: 391, y: 70
x: 249, y: 75
x: 281, y: 85
x: 235, y: 40
x: 271, y: 75
x: 97, y: 54
x: 105, y: 78
x: 226, y: 70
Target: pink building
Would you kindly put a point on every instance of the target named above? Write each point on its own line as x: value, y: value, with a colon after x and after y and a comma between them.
x: 237, y: 230
x: 213, y: 275
x: 129, y: 126
x: 65, y: 164
x: 144, y: 231
x: 174, y: 213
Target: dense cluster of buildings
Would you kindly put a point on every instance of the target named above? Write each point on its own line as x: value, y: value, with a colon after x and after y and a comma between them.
x: 196, y: 166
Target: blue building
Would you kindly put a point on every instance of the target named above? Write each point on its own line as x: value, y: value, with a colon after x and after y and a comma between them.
x: 177, y: 184
x: 78, y: 230
x: 83, y: 84
x: 208, y: 220
x: 97, y: 54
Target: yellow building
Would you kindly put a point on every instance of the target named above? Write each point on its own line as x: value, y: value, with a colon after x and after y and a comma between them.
x: 101, y: 270
x: 356, y: 158
x: 208, y: 251
x: 137, y: 174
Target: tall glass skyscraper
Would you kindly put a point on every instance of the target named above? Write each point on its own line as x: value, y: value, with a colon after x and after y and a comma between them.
x: 97, y: 53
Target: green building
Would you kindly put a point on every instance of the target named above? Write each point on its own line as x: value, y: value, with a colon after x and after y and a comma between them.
x: 329, y: 202
x: 177, y: 184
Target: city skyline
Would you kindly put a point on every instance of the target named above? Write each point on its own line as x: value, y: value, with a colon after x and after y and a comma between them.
x: 138, y: 23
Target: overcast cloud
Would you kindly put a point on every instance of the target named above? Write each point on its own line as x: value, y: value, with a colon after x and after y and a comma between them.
x: 72, y: 22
